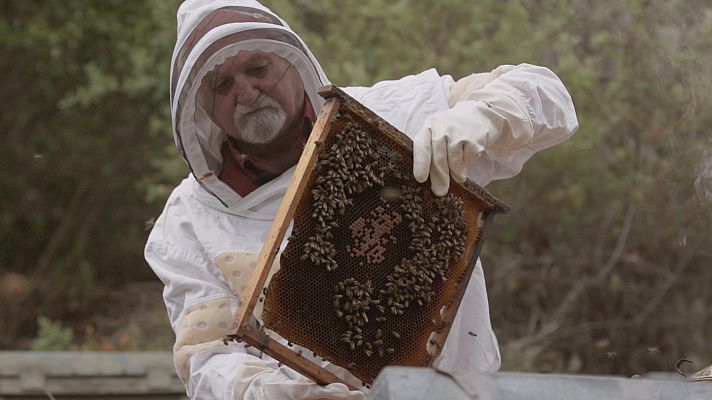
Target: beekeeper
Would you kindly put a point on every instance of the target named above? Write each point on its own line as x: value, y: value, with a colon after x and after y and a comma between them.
x: 243, y: 100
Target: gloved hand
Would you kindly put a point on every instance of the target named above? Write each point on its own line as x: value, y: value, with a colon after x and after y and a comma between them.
x: 491, y: 122
x: 283, y: 383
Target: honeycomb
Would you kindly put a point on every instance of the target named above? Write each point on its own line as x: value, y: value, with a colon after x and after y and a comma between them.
x: 373, y: 256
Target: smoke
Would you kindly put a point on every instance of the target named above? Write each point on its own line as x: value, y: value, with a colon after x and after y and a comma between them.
x: 703, y: 183
x: 685, y: 64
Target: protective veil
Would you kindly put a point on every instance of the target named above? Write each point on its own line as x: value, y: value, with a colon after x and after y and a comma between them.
x: 205, y: 243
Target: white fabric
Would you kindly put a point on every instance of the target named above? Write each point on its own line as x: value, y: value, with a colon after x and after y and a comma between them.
x: 284, y: 383
x: 494, y: 128
x: 196, y: 229
x: 551, y: 114
x: 467, y: 85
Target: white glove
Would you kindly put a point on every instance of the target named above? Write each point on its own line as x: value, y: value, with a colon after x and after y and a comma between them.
x: 449, y: 141
x: 285, y: 384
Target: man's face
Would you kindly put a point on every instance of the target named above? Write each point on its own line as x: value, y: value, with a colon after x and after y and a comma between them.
x: 253, y: 96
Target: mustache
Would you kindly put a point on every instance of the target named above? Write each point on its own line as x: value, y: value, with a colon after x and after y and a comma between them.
x: 259, y: 122
x: 262, y: 103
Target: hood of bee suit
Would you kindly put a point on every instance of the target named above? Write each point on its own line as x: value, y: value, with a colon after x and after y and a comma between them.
x: 209, y: 32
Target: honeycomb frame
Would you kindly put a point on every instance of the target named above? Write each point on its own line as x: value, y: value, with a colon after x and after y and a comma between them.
x: 360, y: 283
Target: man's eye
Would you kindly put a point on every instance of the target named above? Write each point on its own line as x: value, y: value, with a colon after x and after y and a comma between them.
x: 223, y: 85
x: 258, y: 70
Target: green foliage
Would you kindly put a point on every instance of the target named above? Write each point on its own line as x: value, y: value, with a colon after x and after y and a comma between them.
x: 602, y: 266
x: 637, y: 154
x: 52, y: 336
x: 84, y: 113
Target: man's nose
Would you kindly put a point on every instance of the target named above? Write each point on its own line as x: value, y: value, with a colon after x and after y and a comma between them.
x: 246, y: 91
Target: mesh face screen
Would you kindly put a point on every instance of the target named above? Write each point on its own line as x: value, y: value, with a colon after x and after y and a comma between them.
x: 373, y: 256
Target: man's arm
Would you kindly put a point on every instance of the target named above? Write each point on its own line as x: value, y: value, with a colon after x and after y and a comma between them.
x: 201, y: 308
x: 496, y: 122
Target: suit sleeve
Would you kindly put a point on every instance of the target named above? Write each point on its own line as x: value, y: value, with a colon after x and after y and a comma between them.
x: 544, y: 110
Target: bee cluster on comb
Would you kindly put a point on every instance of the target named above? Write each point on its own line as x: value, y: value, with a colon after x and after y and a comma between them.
x: 373, y: 257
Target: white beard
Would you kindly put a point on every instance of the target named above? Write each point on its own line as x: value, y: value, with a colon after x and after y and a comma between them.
x: 261, y: 121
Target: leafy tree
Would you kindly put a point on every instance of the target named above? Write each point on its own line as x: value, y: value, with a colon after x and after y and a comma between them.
x: 85, y: 125
x: 602, y: 266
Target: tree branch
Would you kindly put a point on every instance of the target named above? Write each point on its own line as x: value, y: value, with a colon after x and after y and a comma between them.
x: 558, y: 316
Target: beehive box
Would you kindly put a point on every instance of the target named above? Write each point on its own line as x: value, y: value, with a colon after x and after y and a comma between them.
x: 376, y: 265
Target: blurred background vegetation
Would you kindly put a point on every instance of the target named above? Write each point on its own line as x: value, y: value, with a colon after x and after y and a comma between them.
x: 603, y: 265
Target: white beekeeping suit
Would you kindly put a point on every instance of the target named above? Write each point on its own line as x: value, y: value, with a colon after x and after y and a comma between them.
x: 205, y: 243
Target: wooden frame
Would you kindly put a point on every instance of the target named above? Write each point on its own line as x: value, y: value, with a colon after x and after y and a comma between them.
x: 247, y: 329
